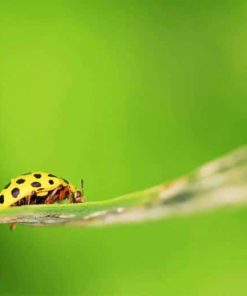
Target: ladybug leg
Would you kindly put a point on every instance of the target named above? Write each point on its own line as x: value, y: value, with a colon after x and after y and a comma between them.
x: 63, y: 193
x: 29, y: 197
x: 53, y: 196
x: 66, y: 193
x: 71, y: 197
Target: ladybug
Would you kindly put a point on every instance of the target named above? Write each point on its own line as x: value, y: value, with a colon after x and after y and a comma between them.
x: 38, y: 188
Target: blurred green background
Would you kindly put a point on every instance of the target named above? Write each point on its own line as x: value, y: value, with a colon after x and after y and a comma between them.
x: 126, y: 94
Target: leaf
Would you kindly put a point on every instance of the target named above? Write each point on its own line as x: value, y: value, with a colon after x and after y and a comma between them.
x: 217, y: 184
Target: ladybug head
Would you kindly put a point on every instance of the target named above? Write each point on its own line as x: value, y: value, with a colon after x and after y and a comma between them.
x: 79, y: 194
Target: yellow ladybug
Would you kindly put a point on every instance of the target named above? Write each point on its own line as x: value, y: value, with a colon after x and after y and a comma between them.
x: 38, y: 188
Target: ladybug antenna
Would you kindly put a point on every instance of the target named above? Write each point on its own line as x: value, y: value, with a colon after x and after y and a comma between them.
x: 82, y: 186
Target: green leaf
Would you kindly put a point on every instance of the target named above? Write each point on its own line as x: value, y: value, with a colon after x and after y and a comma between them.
x: 217, y: 184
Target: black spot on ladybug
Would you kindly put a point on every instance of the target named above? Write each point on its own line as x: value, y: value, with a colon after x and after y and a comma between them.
x: 1, y: 199
x: 37, y: 176
x: 50, y: 175
x: 15, y: 192
x: 36, y: 184
x: 66, y: 181
x: 20, y: 181
x: 40, y: 189
x: 7, y: 186
x: 51, y: 182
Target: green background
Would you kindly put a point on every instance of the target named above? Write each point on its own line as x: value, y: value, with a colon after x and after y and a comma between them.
x: 126, y: 94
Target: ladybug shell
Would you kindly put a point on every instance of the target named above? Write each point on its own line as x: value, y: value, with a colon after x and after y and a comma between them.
x: 22, y: 186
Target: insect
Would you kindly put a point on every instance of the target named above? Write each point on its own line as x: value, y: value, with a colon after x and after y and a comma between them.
x: 38, y: 188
